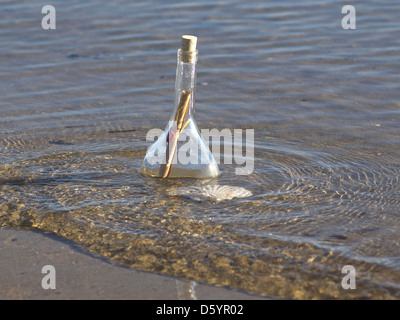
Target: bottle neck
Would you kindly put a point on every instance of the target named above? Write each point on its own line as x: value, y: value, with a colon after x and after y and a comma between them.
x: 185, y: 82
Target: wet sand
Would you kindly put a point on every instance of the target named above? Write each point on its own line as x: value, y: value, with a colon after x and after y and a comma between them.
x: 81, y: 275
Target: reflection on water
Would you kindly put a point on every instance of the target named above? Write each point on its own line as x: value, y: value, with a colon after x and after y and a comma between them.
x: 78, y: 101
x: 186, y: 289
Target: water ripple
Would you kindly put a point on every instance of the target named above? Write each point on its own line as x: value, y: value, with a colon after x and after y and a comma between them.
x: 78, y: 101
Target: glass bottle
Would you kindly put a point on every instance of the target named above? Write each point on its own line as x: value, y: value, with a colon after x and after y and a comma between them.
x: 180, y: 151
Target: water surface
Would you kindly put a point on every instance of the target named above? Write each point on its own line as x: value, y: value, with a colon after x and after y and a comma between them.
x: 77, y: 102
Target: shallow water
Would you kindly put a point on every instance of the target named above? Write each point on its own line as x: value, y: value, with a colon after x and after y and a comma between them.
x: 324, y: 104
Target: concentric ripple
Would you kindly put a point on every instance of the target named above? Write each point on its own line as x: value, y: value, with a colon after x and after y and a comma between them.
x: 217, y: 193
x: 307, y: 213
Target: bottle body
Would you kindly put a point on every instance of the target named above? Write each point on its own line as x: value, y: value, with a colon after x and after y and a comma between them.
x: 180, y: 151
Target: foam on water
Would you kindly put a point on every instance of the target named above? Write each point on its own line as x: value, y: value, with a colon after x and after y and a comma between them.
x: 217, y: 193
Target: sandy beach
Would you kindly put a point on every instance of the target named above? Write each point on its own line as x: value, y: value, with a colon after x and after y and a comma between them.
x: 81, y: 275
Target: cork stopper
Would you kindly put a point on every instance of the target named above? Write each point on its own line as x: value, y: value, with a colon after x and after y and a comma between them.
x: 188, y: 48
x: 189, y: 43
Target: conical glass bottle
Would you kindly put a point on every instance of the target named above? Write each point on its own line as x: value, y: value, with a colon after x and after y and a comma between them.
x: 180, y: 151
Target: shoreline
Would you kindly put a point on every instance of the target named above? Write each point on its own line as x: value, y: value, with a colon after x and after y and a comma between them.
x: 80, y: 275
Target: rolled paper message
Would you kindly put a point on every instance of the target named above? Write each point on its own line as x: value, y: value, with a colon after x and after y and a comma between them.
x: 172, y: 138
